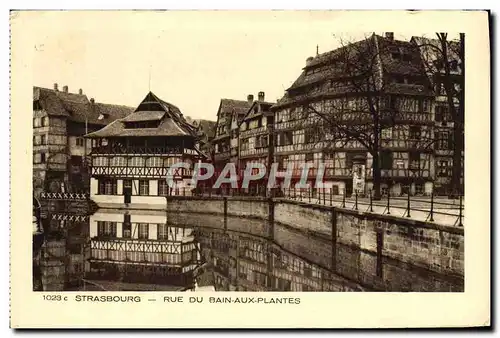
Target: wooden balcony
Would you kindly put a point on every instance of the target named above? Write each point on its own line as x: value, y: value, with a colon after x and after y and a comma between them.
x: 146, y: 172
x: 256, y: 152
x: 252, y: 132
x: 110, y: 150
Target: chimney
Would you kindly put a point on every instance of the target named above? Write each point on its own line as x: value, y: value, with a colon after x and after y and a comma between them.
x: 261, y: 96
x: 389, y: 36
x: 250, y: 98
x: 65, y: 89
x: 92, y: 100
x: 55, y: 86
x: 80, y: 91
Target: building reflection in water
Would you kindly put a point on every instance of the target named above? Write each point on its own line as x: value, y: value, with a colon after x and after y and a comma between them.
x: 138, y: 250
x: 242, y: 262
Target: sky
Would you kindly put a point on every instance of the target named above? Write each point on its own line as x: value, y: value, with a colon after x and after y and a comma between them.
x: 191, y: 59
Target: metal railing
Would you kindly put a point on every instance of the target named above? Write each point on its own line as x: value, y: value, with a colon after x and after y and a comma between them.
x: 64, y: 196
x: 436, y: 209
x: 441, y: 210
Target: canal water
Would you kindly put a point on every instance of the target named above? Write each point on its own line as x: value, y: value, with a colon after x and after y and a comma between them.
x: 147, y: 250
x: 139, y: 250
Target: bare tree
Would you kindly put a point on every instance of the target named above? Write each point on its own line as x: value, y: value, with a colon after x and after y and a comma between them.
x: 356, y: 104
x: 445, y: 63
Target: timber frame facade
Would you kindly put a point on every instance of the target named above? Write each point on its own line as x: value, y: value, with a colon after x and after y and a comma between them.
x: 138, y: 247
x: 248, y: 263
x: 225, y: 142
x: 405, y: 153
x: 60, y: 120
x: 131, y: 157
x: 255, y: 138
x: 444, y: 121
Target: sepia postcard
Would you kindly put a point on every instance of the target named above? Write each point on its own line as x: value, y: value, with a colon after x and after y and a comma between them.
x: 250, y: 169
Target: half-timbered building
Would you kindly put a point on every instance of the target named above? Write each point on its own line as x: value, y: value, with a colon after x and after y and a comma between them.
x: 225, y: 142
x: 140, y: 247
x: 255, y: 137
x: 60, y: 120
x: 247, y: 263
x: 326, y: 86
x: 132, y: 157
x: 432, y: 55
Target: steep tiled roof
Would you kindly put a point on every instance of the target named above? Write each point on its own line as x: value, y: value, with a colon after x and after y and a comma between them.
x: 110, y: 112
x: 77, y: 107
x: 171, y: 123
x: 229, y: 106
x: 49, y: 101
x: 208, y: 127
x: 326, y: 74
x: 144, y: 116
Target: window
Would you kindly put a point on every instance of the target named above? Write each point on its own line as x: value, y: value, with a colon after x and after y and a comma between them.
x: 136, y: 162
x: 36, y: 122
x: 414, y: 160
x: 419, y: 189
x: 260, y: 278
x: 79, y: 141
x: 386, y: 134
x: 107, y: 187
x: 154, y: 162
x: 311, y: 136
x: 425, y: 106
x: 386, y: 159
x: 118, y: 161
x: 43, y: 139
x: 100, y: 161
x: 453, y: 65
x: 163, y: 188
x: 106, y: 229
x: 443, y: 168
x: 245, y: 144
x: 127, y: 227
x: 444, y: 141
x: 143, y: 232
x: 309, y: 157
x: 42, y: 158
x: 162, y: 231
x: 287, y: 138
x: 415, y: 133
x: 45, y: 121
x: 169, y: 161
x: 442, y: 114
x: 143, y: 187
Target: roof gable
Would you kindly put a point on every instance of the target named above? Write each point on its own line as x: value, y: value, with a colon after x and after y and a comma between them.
x: 170, y: 121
